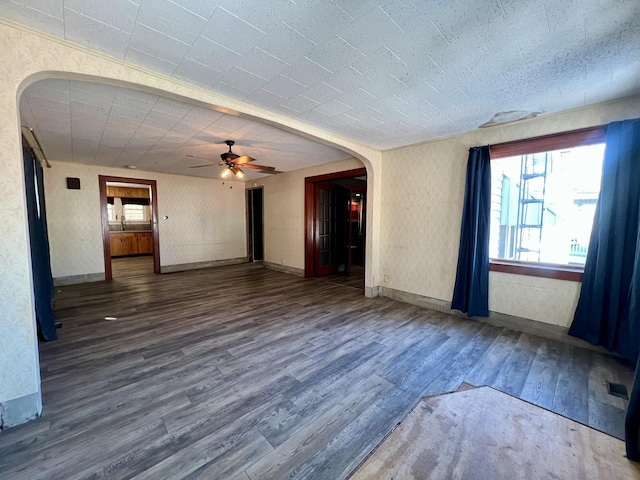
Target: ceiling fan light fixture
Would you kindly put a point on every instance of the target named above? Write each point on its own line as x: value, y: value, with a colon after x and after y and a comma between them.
x: 225, y: 173
x: 239, y: 173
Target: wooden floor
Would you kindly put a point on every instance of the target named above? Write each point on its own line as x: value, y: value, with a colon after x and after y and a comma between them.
x: 247, y: 373
x: 482, y: 433
x: 132, y: 266
x: 354, y: 278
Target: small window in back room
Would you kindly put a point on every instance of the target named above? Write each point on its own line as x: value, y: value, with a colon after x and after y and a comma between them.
x: 133, y: 213
x: 543, y: 204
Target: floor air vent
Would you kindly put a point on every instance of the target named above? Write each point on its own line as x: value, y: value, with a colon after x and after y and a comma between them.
x: 617, y: 390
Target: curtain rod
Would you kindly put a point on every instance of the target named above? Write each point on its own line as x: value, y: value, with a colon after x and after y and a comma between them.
x: 31, y: 138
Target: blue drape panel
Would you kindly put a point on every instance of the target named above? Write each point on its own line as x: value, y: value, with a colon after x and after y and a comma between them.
x: 607, y: 312
x: 471, y: 290
x: 39, y: 240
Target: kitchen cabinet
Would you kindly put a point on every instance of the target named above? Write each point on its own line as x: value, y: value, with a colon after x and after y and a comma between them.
x: 131, y: 243
x: 127, y: 192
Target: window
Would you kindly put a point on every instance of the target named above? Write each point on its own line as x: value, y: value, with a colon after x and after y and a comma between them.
x: 543, y: 198
x: 133, y: 212
x: 110, y: 212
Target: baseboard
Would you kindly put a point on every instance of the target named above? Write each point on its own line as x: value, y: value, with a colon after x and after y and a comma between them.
x: 75, y: 279
x: 20, y: 410
x: 525, y: 325
x: 181, y: 267
x: 298, y: 272
x: 371, y: 292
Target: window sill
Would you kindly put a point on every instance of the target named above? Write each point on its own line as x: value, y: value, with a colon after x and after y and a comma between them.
x: 545, y: 270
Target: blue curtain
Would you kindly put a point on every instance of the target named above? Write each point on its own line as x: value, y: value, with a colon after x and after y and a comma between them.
x: 39, y: 240
x: 471, y: 290
x: 607, y: 312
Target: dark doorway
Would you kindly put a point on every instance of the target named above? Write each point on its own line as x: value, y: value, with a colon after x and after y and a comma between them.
x: 255, y: 224
x: 335, y: 224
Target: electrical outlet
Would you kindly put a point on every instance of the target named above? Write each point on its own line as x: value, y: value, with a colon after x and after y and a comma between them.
x: 386, y: 278
x: 282, y: 260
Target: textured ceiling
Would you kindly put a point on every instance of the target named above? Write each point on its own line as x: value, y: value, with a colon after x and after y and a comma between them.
x: 384, y: 74
x: 99, y: 124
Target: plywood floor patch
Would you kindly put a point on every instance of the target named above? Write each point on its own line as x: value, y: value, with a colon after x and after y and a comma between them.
x: 482, y: 433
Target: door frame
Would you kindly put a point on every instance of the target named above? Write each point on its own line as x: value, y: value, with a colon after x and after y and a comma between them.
x: 250, y: 231
x: 106, y: 243
x: 310, y: 213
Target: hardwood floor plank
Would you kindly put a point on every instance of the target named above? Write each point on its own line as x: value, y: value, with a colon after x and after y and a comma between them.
x: 572, y: 390
x: 514, y: 372
x: 540, y: 385
x: 487, y: 369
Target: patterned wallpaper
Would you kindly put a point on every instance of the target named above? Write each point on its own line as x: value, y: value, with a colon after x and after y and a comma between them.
x: 421, y: 210
x: 284, y: 211
x: 206, y: 218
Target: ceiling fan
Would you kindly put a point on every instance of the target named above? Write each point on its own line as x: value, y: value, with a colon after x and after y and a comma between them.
x: 232, y: 162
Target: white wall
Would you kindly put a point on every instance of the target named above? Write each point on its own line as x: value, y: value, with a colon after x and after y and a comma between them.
x: 284, y: 211
x: 206, y: 218
x: 421, y: 211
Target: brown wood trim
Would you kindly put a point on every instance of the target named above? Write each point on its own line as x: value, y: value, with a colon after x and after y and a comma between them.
x: 546, y: 143
x: 545, y: 270
x: 309, y: 212
x: 103, y: 179
x: 309, y: 225
x: 106, y: 241
x: 356, y: 172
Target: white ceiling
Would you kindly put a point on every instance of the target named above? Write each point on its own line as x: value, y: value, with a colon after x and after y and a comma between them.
x: 99, y: 124
x: 382, y: 73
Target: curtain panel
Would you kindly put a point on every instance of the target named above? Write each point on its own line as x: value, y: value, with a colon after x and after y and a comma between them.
x: 608, y: 312
x: 471, y: 289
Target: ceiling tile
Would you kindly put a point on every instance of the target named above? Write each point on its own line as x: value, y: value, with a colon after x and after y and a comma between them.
x: 262, y: 63
x: 317, y: 20
x: 207, y: 52
x: 335, y: 54
x: 333, y: 108
x: 230, y: 31
x: 190, y: 70
x: 203, y: 8
x: 149, y: 61
x: 99, y: 36
x: 300, y: 103
x: 264, y: 98
x: 171, y: 19
x: 119, y: 14
x: 284, y: 86
x: 28, y: 14
x: 307, y: 72
x: 152, y: 42
x: 286, y: 44
x: 262, y: 15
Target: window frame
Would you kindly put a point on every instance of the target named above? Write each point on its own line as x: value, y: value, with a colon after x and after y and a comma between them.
x: 544, y: 143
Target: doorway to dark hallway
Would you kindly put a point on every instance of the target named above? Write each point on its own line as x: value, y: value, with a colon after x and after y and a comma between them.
x: 335, y: 220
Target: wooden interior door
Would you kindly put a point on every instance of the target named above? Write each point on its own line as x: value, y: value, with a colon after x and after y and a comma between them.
x: 325, y: 230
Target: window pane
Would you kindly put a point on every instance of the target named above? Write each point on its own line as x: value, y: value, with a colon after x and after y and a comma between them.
x: 110, y: 212
x: 542, y: 205
x: 133, y: 212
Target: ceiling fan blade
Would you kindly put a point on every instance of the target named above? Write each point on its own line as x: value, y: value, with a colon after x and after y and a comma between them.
x: 199, y: 158
x: 209, y: 165
x: 243, y: 159
x: 258, y: 167
x: 270, y: 172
